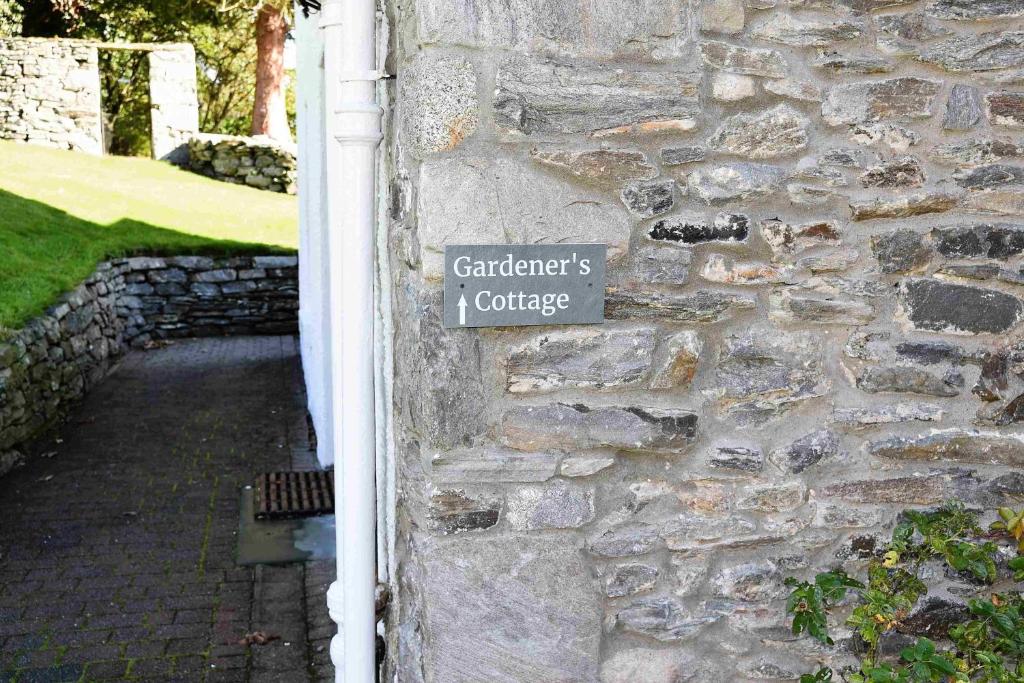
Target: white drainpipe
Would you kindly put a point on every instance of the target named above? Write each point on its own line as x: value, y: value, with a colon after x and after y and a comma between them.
x: 353, y: 134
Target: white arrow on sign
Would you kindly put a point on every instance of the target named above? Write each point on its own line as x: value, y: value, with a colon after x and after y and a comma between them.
x: 462, y: 309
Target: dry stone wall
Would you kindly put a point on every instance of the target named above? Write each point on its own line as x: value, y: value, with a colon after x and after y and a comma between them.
x: 814, y: 217
x: 50, y: 94
x: 259, y: 161
x: 52, y: 361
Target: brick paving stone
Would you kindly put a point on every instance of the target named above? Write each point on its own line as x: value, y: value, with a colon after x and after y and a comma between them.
x: 118, y: 553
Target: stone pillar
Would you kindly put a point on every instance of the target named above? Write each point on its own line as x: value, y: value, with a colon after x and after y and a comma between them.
x: 174, y: 101
x: 814, y: 321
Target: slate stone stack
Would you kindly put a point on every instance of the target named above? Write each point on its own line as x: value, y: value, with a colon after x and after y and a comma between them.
x: 50, y: 94
x: 258, y: 162
x: 54, y: 359
x: 816, y: 287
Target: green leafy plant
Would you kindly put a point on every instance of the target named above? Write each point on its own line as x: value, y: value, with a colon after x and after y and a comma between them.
x: 987, y: 648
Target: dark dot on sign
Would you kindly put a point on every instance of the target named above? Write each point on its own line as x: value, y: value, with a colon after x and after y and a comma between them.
x: 462, y: 286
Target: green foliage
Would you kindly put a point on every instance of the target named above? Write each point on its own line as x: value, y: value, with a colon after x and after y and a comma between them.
x: 10, y: 18
x: 988, y: 648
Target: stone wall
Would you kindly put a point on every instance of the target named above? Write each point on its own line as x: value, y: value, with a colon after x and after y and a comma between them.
x: 57, y: 357
x: 258, y: 162
x: 173, y: 101
x: 50, y: 94
x: 813, y: 212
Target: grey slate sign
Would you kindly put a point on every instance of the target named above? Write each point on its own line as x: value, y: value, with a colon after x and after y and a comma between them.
x: 498, y: 285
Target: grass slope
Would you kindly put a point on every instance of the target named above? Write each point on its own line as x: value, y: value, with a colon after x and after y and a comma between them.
x: 62, y: 212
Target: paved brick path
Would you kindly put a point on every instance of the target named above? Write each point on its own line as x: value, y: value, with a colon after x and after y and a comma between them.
x: 117, y: 553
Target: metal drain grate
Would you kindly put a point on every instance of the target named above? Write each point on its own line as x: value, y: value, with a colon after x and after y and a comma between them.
x: 281, y: 495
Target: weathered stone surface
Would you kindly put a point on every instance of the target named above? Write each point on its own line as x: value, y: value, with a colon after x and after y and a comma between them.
x: 990, y: 177
x: 802, y: 194
x: 954, y: 445
x: 904, y: 206
x: 558, y: 505
x: 809, y: 31
x: 970, y: 53
x: 958, y: 309
x: 559, y: 426
x: 933, y: 618
x: 522, y: 208
x: 1004, y: 201
x: 585, y: 358
x: 701, y: 306
x: 977, y: 151
x: 834, y: 262
x: 677, y: 156
x: 989, y: 240
x: 454, y: 511
x: 1006, y: 108
x: 974, y: 9
x: 727, y: 87
x: 545, y: 627
x: 649, y: 198
x: 439, y: 93
x: 794, y: 89
x: 963, y: 108
x: 896, y: 98
x: 928, y: 490
x: 900, y: 172
x: 794, y: 307
x: 726, y: 227
x: 739, y: 458
x: 743, y: 60
x: 853, y: 64
x: 630, y: 579
x: 659, y: 264
x: 625, y: 540
x: 725, y: 270
x: 900, y: 251
x: 772, y: 498
x: 722, y: 16
x: 901, y: 34
x: 678, y: 363
x: 585, y: 465
x: 895, y: 137
x: 777, y: 132
x: 896, y: 414
x: 607, y: 169
x: 664, y: 619
x: 734, y: 182
x: 764, y: 372
x: 749, y: 582
x: 902, y: 379
x: 806, y: 451
x: 844, y: 517
x: 550, y: 97
x: 492, y: 465
x: 657, y: 30
x: 786, y: 239
x: 652, y: 666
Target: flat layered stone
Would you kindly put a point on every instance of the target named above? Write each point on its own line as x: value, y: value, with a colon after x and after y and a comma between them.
x: 545, y: 627
x: 499, y: 201
x: 901, y: 251
x: 786, y: 239
x: 563, y: 427
x: 903, y: 206
x: 701, y: 306
x: 895, y: 98
x: 764, y: 372
x: 727, y: 87
x: 677, y: 365
x: 653, y: 666
x: 664, y: 619
x: 735, y: 182
x: 927, y: 490
x: 806, y: 451
x: 903, y: 379
x: 585, y: 465
x: 1006, y: 108
x: 603, y: 168
x: 722, y: 16
x: 805, y: 31
x: 455, y: 511
x: 985, y: 240
x: 853, y: 64
x: 970, y: 53
x: 963, y: 108
x: 749, y: 582
x: 646, y: 199
x: 894, y: 414
x: 659, y: 264
x: 772, y: 498
x: 558, y: 505
x: 977, y: 151
x: 776, y: 132
x: 900, y: 172
x: 990, y: 177
x: 492, y: 466
x: 834, y: 262
x: 896, y: 137
x: 535, y: 96
x: 439, y: 97
x: 738, y: 59
x: 725, y: 270
x: 788, y: 306
x: 794, y: 89
x: 726, y: 227
x: 954, y: 445
x: 630, y: 579
x: 974, y: 9
x: 625, y: 540
x: 958, y: 309
x: 901, y: 34
x: 677, y: 156
x: 589, y: 358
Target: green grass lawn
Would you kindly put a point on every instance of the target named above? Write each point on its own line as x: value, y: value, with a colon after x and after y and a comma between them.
x: 62, y: 212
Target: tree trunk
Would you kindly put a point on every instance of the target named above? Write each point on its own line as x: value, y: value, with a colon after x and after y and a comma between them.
x: 269, y: 115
